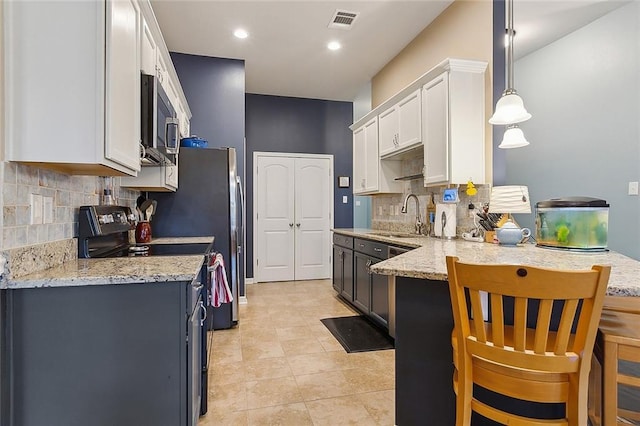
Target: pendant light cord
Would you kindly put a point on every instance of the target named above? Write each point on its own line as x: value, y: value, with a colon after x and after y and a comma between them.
x: 509, y: 52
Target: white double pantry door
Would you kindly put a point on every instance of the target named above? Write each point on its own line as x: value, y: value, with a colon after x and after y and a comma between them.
x: 294, y: 215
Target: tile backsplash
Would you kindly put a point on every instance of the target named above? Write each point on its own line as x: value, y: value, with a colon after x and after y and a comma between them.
x: 386, y: 208
x: 68, y: 192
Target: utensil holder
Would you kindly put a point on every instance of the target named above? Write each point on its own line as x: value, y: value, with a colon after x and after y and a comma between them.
x: 489, y: 236
x: 143, y: 232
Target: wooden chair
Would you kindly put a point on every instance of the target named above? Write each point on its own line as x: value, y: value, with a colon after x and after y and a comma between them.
x: 618, y: 340
x: 532, y: 364
x: 622, y: 304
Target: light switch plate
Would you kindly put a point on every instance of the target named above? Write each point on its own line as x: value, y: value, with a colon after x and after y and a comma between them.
x: 36, y: 209
x: 633, y: 188
x: 47, y: 209
x: 345, y: 199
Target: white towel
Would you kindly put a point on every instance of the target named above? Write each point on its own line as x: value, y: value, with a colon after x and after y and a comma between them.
x: 219, y: 292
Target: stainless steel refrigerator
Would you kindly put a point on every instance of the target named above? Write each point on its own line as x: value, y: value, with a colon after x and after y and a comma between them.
x: 209, y: 201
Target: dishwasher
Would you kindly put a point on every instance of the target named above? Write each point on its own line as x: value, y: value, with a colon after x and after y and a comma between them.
x: 392, y: 252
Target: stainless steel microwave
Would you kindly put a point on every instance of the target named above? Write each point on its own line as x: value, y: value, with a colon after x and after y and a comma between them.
x: 160, y: 132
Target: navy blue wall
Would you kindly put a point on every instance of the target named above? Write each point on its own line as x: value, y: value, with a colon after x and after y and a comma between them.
x: 214, y: 88
x: 296, y: 125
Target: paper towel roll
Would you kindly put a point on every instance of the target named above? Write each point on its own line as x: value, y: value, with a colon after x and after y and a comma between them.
x: 449, y: 211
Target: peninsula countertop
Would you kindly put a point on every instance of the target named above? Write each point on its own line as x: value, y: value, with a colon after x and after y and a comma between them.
x: 428, y: 259
x: 117, y: 270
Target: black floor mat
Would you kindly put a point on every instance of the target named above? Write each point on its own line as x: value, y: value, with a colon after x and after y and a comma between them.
x: 357, y: 334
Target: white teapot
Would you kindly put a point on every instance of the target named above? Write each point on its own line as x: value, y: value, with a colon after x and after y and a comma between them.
x: 510, y: 235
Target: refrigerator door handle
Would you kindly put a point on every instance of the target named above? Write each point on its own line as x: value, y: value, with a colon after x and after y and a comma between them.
x: 239, y: 181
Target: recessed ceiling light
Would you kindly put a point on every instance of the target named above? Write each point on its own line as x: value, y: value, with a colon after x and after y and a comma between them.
x: 240, y: 33
x: 334, y: 45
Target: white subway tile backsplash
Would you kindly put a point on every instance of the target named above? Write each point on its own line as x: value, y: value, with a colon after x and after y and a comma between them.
x: 9, y: 173
x: 10, y: 194
x: 68, y: 193
x: 63, y: 198
x: 27, y: 175
x: 47, y: 178
x: 32, y: 235
x: 23, y: 195
x: 23, y: 215
x: 21, y: 236
x: 9, y: 216
x: 9, y: 237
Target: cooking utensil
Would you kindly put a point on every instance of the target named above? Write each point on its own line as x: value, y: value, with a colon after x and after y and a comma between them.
x: 154, y: 205
x: 140, y: 200
x: 485, y: 225
x: 145, y: 205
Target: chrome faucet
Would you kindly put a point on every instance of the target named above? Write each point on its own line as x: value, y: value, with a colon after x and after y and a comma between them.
x: 418, y: 224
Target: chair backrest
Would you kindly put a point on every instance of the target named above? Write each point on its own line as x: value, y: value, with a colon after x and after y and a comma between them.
x: 541, y: 348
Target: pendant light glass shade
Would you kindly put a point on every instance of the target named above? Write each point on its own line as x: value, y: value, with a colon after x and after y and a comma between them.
x: 509, y: 109
x: 513, y: 138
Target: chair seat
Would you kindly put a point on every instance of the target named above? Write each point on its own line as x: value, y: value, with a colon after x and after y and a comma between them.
x: 540, y: 386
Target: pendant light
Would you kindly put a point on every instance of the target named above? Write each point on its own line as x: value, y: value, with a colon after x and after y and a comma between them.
x: 509, y: 108
x: 513, y: 138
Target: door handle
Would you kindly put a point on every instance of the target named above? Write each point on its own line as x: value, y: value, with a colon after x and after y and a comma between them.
x: 291, y: 225
x: 204, y: 311
x: 298, y: 225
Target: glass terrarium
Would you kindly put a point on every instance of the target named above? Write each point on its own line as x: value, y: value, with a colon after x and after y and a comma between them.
x: 577, y: 223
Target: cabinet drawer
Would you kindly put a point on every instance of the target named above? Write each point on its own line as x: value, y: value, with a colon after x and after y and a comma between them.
x: 372, y: 248
x: 343, y: 240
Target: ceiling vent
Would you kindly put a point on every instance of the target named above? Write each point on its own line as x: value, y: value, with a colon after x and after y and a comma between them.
x: 343, y: 19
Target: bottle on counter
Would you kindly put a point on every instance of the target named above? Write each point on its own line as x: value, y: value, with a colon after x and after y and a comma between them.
x: 431, y: 216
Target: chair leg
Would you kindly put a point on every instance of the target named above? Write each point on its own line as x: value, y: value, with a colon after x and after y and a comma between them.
x: 576, y: 408
x: 464, y: 396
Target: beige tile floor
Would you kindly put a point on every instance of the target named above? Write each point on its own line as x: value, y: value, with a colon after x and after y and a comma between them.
x: 281, y: 366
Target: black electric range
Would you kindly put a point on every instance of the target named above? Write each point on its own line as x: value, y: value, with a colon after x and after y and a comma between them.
x: 167, y: 249
x: 103, y: 232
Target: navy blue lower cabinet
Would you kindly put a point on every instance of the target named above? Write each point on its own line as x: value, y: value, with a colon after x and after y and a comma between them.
x: 362, y: 282
x: 103, y: 355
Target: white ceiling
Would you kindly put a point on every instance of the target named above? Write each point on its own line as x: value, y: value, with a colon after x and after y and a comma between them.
x: 286, y: 52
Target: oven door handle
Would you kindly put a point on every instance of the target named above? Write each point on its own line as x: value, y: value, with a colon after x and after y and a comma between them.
x: 204, y: 311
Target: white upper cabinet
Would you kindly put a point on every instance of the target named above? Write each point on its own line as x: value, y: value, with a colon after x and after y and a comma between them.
x: 454, y: 126
x: 123, y: 84
x: 371, y: 175
x: 161, y: 70
x: 435, y: 101
x: 401, y: 126
x: 162, y: 178
x: 440, y: 117
x: 72, y: 75
x: 148, y: 50
x: 155, y: 60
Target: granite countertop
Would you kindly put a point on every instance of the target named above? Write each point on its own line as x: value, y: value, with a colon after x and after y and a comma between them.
x: 117, y: 270
x: 181, y: 240
x: 428, y: 260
